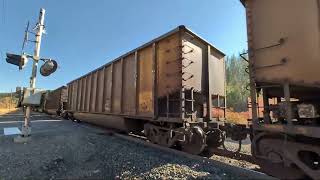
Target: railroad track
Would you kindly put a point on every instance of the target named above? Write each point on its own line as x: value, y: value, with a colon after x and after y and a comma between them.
x: 237, y: 156
x: 252, y: 174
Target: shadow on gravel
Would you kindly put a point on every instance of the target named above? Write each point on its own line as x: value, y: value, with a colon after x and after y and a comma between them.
x: 222, y: 152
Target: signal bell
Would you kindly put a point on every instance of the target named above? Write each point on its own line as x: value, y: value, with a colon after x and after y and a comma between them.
x: 49, y: 67
x: 17, y: 60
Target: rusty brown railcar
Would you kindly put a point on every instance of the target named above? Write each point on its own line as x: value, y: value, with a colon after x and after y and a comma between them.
x: 284, y: 61
x: 171, y: 87
x: 56, y: 101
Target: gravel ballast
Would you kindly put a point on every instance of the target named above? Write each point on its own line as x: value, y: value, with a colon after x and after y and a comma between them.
x: 63, y: 149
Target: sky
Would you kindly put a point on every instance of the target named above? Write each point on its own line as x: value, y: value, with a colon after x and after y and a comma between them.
x: 82, y: 35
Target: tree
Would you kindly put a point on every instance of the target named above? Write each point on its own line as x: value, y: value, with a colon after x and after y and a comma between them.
x: 237, y: 83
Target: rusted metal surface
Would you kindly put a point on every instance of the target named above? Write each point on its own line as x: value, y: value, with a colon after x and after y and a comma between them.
x: 93, y: 96
x: 129, y: 89
x: 83, y: 92
x: 100, y: 96
x: 79, y: 94
x: 260, y: 106
x: 88, y: 93
x: 155, y: 80
x: 116, y: 87
x: 108, y: 88
x: 145, y: 82
x: 109, y: 121
x: 54, y: 99
x: 169, y: 65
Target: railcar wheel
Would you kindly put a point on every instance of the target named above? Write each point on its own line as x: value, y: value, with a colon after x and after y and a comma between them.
x: 278, y: 170
x: 64, y: 115
x: 70, y: 116
x: 157, y: 135
x: 231, y: 146
x: 195, y: 141
x: 164, y: 139
x: 274, y: 164
x: 150, y: 133
x: 215, y: 138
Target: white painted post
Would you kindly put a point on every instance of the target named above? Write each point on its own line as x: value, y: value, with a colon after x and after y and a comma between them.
x: 26, y: 129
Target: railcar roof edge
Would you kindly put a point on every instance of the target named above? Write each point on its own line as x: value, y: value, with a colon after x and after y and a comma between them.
x: 181, y: 27
x: 243, y: 2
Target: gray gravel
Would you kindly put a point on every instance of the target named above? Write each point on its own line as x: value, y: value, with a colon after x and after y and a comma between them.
x: 70, y: 150
x: 242, y: 160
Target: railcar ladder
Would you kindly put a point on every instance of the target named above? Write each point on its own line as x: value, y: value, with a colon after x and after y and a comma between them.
x: 182, y: 100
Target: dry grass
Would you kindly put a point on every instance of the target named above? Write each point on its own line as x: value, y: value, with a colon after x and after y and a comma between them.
x: 7, y: 105
x: 237, y: 117
x: 7, y: 110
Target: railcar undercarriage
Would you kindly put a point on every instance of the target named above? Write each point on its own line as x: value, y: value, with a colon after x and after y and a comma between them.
x: 285, y: 137
x: 194, y: 138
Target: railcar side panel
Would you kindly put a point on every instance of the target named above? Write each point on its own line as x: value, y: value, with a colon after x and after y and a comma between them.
x: 194, y: 69
x: 216, y: 73
x: 69, y: 96
x: 74, y: 97
x: 88, y: 91
x: 129, y: 89
x: 145, y: 82
x: 216, y: 65
x: 107, y: 88
x: 79, y: 94
x: 100, y: 89
x: 117, y: 87
x: 168, y: 58
x: 285, y: 37
x: 93, y: 92
x: 55, y: 101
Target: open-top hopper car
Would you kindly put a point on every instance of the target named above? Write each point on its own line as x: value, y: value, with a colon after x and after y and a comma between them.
x: 284, y: 61
x: 172, y: 89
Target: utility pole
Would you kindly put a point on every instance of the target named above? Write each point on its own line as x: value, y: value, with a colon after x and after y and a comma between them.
x: 26, y: 129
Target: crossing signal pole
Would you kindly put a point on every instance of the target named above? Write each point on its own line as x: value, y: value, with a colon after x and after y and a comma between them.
x: 26, y: 129
x: 49, y: 67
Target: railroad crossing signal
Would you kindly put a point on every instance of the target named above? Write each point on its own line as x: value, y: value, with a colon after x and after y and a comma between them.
x: 18, y: 60
x: 49, y: 67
